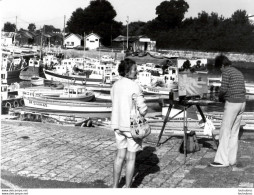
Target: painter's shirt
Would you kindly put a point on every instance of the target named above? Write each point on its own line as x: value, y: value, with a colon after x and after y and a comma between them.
x: 232, y: 86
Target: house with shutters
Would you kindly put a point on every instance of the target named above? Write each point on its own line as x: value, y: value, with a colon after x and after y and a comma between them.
x: 92, y: 41
x: 72, y: 40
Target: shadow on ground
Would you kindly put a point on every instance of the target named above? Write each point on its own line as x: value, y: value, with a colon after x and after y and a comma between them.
x: 146, y: 163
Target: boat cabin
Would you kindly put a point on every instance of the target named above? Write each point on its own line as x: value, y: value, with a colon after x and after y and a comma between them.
x: 34, y: 62
x: 74, y: 91
x: 144, y: 78
x: 68, y: 62
x: 107, y: 58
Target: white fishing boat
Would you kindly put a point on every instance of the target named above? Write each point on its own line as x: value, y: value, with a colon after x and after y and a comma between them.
x: 148, y: 90
x: 66, y: 106
x: 31, y: 71
x: 73, y: 93
x: 107, y: 58
x: 71, y: 78
x: 11, y: 67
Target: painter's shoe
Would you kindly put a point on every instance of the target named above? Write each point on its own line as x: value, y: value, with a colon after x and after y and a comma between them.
x: 215, y: 164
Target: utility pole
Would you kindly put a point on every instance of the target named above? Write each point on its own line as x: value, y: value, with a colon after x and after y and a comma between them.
x: 15, y: 32
x: 127, y: 31
x: 41, y: 45
x: 64, y: 31
x: 84, y: 43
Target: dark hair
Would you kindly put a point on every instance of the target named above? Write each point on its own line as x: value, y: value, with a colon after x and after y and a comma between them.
x: 125, y: 66
x: 221, y: 60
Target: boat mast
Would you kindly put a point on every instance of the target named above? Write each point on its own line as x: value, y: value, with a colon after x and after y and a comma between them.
x: 41, y: 45
x: 64, y: 33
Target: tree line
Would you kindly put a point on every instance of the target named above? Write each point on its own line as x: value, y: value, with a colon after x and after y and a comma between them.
x: 170, y: 29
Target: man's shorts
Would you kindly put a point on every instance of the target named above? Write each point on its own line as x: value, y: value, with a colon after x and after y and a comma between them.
x: 125, y: 140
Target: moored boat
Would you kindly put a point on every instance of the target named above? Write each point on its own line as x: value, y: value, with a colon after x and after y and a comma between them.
x: 66, y: 106
x: 71, y: 78
x: 73, y: 93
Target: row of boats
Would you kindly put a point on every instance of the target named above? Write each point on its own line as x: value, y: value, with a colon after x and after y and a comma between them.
x: 76, y: 83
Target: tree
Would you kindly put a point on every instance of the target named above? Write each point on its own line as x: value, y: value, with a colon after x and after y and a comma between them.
x: 31, y: 27
x: 135, y: 29
x: 49, y: 28
x: 98, y: 17
x: 9, y: 27
x: 240, y: 17
x: 171, y: 13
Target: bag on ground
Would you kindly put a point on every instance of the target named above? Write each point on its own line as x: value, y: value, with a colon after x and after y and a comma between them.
x: 191, y: 143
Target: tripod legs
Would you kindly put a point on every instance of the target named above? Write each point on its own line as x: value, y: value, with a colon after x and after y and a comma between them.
x: 185, y: 133
x: 164, y: 123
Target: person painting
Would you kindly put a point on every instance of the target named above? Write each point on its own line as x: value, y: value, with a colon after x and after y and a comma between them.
x: 232, y: 92
x: 122, y: 94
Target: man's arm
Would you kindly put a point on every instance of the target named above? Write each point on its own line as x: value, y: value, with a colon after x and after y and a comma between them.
x: 224, y: 86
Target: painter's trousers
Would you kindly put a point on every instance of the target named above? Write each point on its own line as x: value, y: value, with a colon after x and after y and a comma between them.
x: 229, y: 131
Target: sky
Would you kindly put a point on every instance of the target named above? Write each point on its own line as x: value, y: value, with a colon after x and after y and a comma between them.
x: 52, y: 12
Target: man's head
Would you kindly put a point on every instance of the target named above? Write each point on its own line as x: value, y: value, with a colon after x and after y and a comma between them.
x: 221, y: 61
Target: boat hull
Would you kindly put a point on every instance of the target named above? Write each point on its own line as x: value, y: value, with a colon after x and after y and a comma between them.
x: 85, y: 98
x: 14, y: 74
x: 28, y: 73
x: 67, y: 106
x: 37, y: 82
x: 50, y: 75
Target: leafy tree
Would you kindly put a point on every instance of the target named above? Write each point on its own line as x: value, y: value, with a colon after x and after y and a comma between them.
x: 31, y: 27
x: 49, y: 28
x: 240, y: 17
x: 98, y: 17
x: 171, y: 13
x: 135, y: 28
x: 9, y: 27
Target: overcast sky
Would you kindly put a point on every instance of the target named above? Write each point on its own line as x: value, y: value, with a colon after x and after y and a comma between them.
x: 51, y: 12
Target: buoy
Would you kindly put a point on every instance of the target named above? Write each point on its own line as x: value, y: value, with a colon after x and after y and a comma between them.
x: 15, y: 104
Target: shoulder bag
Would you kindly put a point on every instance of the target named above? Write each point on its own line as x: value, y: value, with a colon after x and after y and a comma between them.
x: 139, y: 126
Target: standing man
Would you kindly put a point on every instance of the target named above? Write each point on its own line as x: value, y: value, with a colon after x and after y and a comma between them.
x: 232, y: 92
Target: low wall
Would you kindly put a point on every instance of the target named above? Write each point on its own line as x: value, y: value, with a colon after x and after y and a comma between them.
x: 210, y: 55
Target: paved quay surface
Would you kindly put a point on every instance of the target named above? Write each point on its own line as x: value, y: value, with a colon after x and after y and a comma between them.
x: 54, y: 156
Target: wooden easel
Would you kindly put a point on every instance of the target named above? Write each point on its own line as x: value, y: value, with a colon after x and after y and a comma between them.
x: 186, y: 104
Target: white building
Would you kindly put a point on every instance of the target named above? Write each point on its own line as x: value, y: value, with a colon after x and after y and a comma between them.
x: 72, y: 40
x: 92, y: 41
x: 7, y: 38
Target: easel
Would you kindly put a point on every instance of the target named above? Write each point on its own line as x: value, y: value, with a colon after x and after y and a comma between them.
x: 186, y: 104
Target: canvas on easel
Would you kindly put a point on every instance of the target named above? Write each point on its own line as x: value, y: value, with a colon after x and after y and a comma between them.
x: 192, y: 84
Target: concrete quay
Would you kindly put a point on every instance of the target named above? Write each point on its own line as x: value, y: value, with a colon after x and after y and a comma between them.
x: 76, y: 157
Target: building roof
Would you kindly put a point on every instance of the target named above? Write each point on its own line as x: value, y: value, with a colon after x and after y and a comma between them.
x: 7, y: 34
x: 77, y: 35
x: 26, y: 34
x: 94, y: 35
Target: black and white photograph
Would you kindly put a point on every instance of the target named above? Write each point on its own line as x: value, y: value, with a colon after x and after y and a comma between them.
x: 152, y: 95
